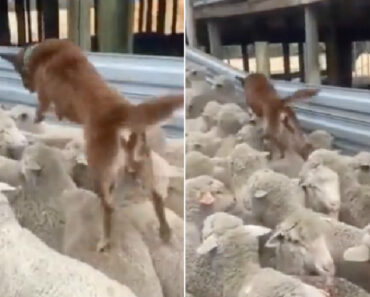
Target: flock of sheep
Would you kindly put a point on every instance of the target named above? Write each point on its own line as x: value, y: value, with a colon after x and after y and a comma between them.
x: 50, y: 218
x: 261, y: 226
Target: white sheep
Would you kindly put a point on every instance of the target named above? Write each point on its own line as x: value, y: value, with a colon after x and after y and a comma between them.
x: 230, y: 118
x: 168, y: 259
x: 306, y: 236
x: 128, y: 261
x: 210, y: 112
x: 321, y: 186
x: 31, y: 269
x: 12, y: 140
x: 242, y: 275
x: 362, y: 160
x: 202, y: 142
x: 196, y: 124
x: 204, y: 196
x: 45, y: 179
x: 354, y: 196
x: 10, y: 171
x: 272, y: 196
x: 321, y: 139
x: 198, y: 164
x: 242, y: 163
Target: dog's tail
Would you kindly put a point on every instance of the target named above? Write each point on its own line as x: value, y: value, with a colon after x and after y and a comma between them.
x: 137, y: 117
x: 300, y: 95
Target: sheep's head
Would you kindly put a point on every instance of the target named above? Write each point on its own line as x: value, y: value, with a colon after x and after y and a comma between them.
x: 321, y: 139
x: 12, y: 140
x: 222, y: 231
x: 198, y: 164
x: 267, y: 189
x: 321, y: 185
x: 302, y: 233
x: 202, y: 142
x: 210, y: 113
x: 230, y: 119
x: 74, y: 153
x: 361, y: 163
x: 209, y: 194
x: 361, y: 252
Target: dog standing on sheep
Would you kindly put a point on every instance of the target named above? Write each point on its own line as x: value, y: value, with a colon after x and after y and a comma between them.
x: 61, y: 75
x: 280, y: 123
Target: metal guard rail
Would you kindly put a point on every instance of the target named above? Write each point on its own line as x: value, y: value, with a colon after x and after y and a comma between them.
x: 343, y: 112
x: 137, y: 77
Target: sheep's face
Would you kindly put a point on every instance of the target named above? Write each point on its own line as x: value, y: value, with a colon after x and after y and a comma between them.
x: 361, y: 163
x: 74, y: 152
x: 210, y: 113
x: 12, y: 141
x: 203, y: 143
x: 303, y: 239
x: 210, y: 194
x: 321, y: 185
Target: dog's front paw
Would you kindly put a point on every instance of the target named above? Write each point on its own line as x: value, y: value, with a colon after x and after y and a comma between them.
x: 103, y: 245
x: 165, y: 233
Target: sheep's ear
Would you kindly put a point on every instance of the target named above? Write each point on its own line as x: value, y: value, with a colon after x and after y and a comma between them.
x: 257, y: 230
x: 207, y: 245
x: 206, y: 198
x: 4, y: 187
x: 260, y: 194
x: 357, y: 254
x: 81, y: 159
x: 274, y: 240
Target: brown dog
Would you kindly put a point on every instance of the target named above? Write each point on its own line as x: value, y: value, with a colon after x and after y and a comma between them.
x: 61, y: 75
x: 280, y: 123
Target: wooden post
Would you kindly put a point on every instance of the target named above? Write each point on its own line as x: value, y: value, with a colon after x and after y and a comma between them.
x: 339, y: 61
x: 79, y: 23
x: 312, y: 47
x: 190, y: 24
x: 174, y: 16
x: 4, y: 24
x: 161, y: 16
x: 301, y: 61
x: 50, y: 10
x: 262, y: 57
x: 214, y: 39
x: 39, y: 19
x: 21, y: 21
x: 115, y: 26
x: 28, y: 13
x: 149, y: 10
x: 286, y: 53
x: 245, y: 57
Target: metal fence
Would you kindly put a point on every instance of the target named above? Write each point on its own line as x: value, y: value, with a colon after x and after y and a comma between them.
x: 343, y: 112
x: 137, y: 77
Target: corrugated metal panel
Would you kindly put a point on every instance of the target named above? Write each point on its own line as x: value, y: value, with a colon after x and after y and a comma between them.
x: 137, y: 77
x: 343, y: 112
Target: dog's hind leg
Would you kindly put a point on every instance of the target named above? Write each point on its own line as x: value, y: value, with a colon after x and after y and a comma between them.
x: 104, y: 192
x: 164, y: 228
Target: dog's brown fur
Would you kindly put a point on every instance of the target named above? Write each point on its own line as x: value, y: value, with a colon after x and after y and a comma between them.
x: 61, y: 75
x: 276, y: 114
